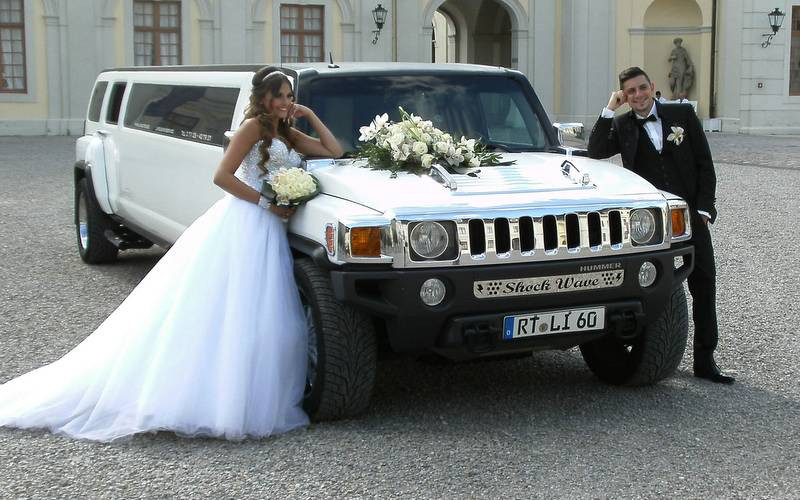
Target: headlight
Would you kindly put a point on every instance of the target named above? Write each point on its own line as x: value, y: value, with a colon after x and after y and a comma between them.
x: 643, y: 226
x: 429, y: 239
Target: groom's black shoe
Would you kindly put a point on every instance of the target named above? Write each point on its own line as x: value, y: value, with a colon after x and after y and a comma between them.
x: 705, y: 367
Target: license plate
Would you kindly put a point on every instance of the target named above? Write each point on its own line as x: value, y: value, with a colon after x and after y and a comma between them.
x: 553, y: 322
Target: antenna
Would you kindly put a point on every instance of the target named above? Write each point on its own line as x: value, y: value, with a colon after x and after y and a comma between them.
x: 332, y: 65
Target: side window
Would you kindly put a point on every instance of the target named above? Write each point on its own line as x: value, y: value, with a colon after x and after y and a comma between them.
x: 115, y: 103
x: 97, y: 101
x: 200, y: 114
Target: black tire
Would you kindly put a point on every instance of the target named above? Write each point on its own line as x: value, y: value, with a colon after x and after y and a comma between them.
x: 90, y: 227
x: 652, y: 356
x: 342, y: 349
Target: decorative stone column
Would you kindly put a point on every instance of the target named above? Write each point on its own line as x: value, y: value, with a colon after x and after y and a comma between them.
x: 208, y: 20
x: 57, y: 90
x: 105, y: 22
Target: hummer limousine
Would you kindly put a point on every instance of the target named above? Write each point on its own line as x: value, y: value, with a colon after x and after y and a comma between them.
x: 548, y: 250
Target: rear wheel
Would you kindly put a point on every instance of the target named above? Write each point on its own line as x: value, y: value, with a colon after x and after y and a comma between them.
x: 342, y: 349
x: 90, y: 227
x: 652, y: 356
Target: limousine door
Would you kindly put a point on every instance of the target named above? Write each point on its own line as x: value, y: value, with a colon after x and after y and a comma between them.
x: 105, y: 178
x: 173, y: 137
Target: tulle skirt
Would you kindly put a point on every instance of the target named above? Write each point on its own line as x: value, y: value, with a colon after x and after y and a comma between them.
x: 212, y: 342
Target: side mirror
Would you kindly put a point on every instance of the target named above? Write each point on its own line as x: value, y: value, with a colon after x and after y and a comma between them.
x: 573, y: 129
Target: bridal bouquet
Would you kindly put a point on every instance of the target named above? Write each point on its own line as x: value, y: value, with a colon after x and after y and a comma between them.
x: 413, y: 145
x: 290, y: 187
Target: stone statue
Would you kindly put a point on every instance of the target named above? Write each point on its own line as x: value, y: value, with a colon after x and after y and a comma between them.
x: 681, y: 74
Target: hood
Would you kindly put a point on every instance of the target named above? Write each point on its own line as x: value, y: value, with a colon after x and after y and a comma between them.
x: 534, y: 179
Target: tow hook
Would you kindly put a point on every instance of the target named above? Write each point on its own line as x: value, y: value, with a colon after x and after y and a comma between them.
x: 625, y: 324
x: 480, y: 337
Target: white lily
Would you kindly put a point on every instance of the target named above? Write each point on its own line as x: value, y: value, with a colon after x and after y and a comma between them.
x: 676, y: 136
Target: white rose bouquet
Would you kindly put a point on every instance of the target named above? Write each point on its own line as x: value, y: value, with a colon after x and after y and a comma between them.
x: 290, y: 187
x: 413, y: 145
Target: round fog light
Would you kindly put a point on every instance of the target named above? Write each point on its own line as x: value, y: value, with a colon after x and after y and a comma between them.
x: 432, y: 292
x: 647, y: 274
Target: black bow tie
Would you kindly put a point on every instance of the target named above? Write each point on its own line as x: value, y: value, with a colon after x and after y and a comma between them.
x: 642, y: 121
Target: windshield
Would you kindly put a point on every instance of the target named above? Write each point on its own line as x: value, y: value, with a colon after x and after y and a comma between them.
x: 493, y: 109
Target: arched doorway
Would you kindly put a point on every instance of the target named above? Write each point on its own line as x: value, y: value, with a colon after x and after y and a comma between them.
x: 444, y: 47
x: 491, y: 32
x: 492, y: 35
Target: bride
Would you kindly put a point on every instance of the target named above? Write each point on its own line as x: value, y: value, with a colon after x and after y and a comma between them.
x: 212, y: 342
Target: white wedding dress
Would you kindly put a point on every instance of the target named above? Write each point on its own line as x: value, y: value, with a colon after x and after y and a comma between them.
x: 212, y: 342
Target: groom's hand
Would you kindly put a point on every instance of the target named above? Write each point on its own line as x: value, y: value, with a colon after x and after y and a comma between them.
x: 617, y: 99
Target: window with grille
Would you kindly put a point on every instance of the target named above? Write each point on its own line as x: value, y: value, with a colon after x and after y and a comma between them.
x: 156, y: 33
x: 794, y: 55
x: 302, y: 33
x: 12, y: 47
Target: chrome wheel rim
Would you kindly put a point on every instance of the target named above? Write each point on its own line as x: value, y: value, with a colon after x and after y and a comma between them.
x: 313, y: 354
x: 83, y: 222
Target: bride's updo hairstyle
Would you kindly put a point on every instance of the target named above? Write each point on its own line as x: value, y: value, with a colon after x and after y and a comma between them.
x: 267, y: 81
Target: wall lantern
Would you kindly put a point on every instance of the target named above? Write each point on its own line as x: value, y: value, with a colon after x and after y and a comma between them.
x: 775, y: 20
x: 379, y: 16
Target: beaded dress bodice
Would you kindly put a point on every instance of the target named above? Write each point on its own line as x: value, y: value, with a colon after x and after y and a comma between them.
x: 280, y: 157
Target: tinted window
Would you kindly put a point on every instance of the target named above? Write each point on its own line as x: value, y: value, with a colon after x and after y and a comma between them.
x: 495, y: 109
x: 115, y: 103
x: 200, y: 114
x: 97, y: 101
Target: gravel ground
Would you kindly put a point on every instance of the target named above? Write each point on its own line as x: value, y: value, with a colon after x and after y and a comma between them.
x: 531, y: 427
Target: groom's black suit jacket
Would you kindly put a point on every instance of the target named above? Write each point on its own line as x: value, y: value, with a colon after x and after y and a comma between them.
x: 690, y: 161
x: 686, y: 170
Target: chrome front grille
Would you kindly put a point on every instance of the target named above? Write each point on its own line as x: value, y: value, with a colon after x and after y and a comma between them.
x: 525, y: 236
x: 543, y: 236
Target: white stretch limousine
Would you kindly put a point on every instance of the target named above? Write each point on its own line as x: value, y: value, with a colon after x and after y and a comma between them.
x: 549, y: 250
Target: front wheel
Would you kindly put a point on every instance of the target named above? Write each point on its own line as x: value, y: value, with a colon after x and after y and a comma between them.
x: 91, y: 224
x: 652, y: 356
x: 341, y: 351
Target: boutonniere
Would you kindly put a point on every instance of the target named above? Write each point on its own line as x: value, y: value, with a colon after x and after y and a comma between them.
x: 676, y: 136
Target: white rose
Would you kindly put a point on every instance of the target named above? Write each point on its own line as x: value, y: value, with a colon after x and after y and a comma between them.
x: 420, y: 148
x: 474, y: 162
x: 397, y: 139
x: 427, y: 160
x: 441, y: 147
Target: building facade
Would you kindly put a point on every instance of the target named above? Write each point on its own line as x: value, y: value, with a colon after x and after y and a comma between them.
x: 571, y: 50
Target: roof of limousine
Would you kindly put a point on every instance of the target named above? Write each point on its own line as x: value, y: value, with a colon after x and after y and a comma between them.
x: 327, y: 69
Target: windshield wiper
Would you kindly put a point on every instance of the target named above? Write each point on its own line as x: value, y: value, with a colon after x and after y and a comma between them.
x: 515, y: 148
x: 498, y: 146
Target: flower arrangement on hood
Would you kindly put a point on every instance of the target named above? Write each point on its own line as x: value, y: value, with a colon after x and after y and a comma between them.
x: 413, y: 145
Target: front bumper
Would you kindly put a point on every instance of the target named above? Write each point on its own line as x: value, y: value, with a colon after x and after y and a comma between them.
x: 464, y: 326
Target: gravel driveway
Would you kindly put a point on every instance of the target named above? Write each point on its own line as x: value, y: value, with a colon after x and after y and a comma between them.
x: 539, y: 426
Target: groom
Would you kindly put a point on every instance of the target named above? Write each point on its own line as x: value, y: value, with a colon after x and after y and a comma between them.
x: 665, y: 144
